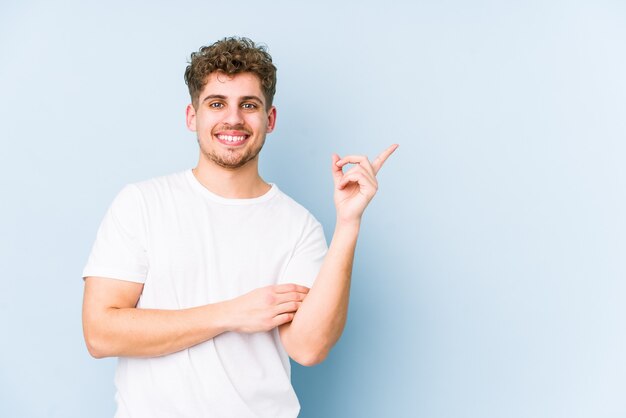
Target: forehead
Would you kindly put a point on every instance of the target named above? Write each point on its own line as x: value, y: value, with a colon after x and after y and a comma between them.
x: 238, y: 85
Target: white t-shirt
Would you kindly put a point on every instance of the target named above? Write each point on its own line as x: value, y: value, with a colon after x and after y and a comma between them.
x: 191, y: 247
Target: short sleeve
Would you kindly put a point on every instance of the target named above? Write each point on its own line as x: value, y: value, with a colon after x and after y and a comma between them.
x: 307, y: 258
x: 119, y: 251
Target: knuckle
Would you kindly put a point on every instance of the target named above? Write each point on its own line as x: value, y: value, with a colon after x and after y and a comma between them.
x: 270, y: 298
x: 295, y: 296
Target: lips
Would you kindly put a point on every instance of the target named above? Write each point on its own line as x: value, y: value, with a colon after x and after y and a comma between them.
x: 232, y: 139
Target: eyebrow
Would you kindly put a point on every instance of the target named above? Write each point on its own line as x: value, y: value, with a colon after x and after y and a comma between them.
x: 222, y: 97
x: 213, y: 96
x: 258, y: 99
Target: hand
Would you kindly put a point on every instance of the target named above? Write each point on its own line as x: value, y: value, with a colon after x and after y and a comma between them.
x: 356, y: 187
x: 265, y: 308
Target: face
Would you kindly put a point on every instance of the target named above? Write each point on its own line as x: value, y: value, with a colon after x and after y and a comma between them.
x: 231, y: 120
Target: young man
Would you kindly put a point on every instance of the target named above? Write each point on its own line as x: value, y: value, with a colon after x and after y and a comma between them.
x: 205, y: 282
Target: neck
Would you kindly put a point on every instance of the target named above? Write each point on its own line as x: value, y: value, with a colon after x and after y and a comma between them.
x: 238, y: 183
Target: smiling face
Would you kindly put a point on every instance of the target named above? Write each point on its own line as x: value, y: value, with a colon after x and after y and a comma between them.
x: 231, y: 120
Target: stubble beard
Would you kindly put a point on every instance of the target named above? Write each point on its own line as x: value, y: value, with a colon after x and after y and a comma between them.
x: 232, y: 160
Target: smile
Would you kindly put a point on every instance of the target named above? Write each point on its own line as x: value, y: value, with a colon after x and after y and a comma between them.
x: 231, y: 139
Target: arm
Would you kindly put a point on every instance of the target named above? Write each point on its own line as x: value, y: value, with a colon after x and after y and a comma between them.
x: 113, y: 326
x: 320, y: 320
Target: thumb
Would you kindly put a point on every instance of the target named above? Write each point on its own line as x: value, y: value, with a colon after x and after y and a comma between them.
x: 337, y: 171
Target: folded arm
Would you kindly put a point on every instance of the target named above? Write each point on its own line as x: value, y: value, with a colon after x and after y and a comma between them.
x: 114, y: 326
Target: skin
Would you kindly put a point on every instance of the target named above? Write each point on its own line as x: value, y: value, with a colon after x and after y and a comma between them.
x: 310, y: 321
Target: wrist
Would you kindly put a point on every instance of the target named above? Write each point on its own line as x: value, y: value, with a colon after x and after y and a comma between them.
x: 348, y: 225
x: 222, y: 316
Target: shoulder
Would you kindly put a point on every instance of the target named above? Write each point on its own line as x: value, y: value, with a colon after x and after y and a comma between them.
x: 148, y: 193
x: 283, y: 199
x: 171, y: 181
x: 159, y: 188
x: 295, y: 210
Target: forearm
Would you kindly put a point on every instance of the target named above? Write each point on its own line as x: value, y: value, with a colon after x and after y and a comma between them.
x: 319, y: 322
x: 135, y: 332
x: 113, y: 326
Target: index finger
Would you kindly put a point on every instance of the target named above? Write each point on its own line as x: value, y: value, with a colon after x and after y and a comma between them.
x: 290, y: 287
x: 380, y: 160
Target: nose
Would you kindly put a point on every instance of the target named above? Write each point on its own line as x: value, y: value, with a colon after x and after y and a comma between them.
x: 233, y: 116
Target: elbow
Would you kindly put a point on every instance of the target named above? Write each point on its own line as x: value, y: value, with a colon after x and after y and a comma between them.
x: 304, y: 349
x: 98, y: 339
x: 95, y: 354
x: 95, y: 349
x: 310, y: 358
x: 96, y: 345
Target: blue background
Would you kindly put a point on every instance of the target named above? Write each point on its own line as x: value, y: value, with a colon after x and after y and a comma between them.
x: 490, y: 274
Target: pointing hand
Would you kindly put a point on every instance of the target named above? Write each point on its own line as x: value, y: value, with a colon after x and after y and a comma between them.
x: 356, y: 187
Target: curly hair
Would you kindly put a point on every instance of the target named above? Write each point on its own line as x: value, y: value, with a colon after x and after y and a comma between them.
x: 231, y: 56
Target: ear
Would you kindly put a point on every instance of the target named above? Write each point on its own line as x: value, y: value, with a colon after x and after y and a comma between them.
x: 271, y: 119
x: 191, y: 117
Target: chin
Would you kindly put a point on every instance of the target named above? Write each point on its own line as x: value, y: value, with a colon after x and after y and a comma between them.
x: 231, y: 163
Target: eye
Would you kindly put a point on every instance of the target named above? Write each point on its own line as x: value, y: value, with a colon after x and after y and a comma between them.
x: 249, y: 106
x: 216, y: 105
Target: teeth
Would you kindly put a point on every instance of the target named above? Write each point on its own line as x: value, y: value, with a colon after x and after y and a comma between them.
x: 231, y: 138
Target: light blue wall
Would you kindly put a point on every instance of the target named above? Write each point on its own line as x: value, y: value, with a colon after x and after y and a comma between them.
x: 490, y: 275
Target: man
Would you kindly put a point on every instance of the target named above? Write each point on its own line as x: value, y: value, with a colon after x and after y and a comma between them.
x: 204, y: 282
